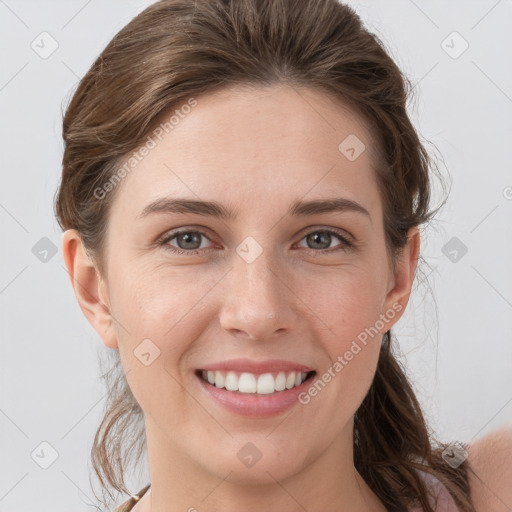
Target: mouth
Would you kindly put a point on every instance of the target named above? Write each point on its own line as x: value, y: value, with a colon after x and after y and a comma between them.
x: 252, y: 388
x: 254, y: 384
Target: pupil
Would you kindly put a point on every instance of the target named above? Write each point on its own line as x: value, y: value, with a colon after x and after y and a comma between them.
x: 190, y: 239
x: 317, y: 238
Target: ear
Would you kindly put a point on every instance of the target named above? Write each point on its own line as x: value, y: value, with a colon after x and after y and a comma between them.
x: 89, y: 286
x: 402, y: 277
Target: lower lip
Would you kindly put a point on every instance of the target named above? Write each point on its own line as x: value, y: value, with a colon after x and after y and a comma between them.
x: 262, y: 406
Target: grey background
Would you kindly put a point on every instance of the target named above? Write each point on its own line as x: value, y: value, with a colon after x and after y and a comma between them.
x: 460, y: 360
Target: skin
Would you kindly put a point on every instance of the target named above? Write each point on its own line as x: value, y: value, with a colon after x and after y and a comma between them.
x: 490, y: 458
x: 256, y: 151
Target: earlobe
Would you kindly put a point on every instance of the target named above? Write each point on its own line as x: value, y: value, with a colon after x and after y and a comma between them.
x: 89, y: 287
x: 398, y: 296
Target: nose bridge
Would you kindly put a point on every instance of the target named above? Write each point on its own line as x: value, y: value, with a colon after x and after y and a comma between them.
x: 256, y: 300
x: 259, y: 277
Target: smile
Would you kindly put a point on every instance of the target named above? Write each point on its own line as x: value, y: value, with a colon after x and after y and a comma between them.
x: 254, y: 388
x: 254, y: 384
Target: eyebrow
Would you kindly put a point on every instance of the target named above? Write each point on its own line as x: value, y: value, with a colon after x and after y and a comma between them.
x: 214, y: 209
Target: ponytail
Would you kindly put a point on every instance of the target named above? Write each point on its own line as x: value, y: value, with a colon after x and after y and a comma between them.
x: 392, y: 443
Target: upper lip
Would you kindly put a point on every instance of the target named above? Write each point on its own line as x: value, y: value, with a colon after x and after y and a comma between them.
x: 257, y: 367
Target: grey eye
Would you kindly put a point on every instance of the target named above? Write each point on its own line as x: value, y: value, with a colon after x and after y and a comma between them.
x: 319, y: 239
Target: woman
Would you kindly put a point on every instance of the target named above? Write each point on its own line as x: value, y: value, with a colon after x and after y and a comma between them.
x: 241, y: 195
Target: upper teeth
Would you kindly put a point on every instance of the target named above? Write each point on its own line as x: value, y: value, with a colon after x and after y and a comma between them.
x: 251, y: 383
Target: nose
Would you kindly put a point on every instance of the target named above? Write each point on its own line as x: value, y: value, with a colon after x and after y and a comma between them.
x: 258, y: 302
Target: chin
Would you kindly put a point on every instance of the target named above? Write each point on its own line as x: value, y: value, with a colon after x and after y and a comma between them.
x: 262, y: 473
x: 260, y: 462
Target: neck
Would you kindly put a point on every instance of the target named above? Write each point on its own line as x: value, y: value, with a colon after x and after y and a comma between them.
x: 179, y: 483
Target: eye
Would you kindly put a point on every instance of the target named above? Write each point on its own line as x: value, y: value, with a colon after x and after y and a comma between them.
x: 188, y: 242
x: 321, y: 239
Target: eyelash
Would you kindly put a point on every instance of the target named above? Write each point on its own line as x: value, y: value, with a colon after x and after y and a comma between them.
x: 345, y: 246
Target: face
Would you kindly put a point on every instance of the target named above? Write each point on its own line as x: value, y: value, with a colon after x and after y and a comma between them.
x: 310, y: 287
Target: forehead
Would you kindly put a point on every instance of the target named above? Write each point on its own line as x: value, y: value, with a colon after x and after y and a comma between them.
x: 250, y: 145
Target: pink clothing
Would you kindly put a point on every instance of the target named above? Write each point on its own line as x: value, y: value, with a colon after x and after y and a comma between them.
x: 441, y: 500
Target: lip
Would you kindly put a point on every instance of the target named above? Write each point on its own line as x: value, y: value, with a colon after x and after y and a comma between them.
x: 257, y: 367
x: 255, y: 406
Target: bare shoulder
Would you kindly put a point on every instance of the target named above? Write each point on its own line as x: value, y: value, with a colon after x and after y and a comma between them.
x: 490, y: 474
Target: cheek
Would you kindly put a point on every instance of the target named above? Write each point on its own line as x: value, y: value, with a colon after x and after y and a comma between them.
x: 348, y: 301
x: 161, y: 314
x: 351, y: 307
x: 352, y: 357
x: 157, y: 303
x: 158, y: 320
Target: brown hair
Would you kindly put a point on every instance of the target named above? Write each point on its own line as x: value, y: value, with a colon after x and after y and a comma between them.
x: 178, y: 49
